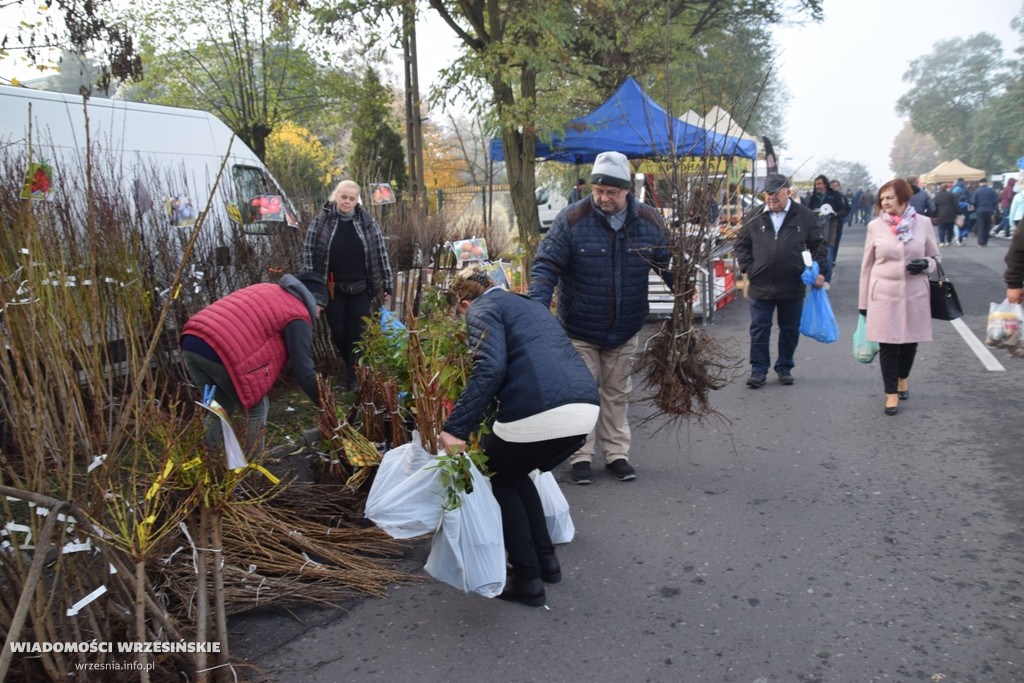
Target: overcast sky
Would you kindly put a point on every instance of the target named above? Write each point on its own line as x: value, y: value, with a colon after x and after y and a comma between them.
x: 846, y: 73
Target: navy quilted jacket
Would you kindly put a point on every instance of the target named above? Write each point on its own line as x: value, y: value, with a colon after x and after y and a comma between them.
x: 522, y: 358
x: 601, y: 274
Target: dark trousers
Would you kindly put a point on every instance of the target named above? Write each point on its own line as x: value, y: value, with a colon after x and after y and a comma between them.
x: 345, y: 319
x: 522, y: 515
x: 206, y: 372
x: 761, y: 313
x: 984, y: 223
x: 946, y: 233
x: 832, y: 251
x: 896, y: 361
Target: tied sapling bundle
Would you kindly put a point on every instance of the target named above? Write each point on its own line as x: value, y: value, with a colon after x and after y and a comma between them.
x: 682, y: 363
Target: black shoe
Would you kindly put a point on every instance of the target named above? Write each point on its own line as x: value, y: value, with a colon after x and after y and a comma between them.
x: 904, y: 395
x: 785, y: 376
x: 891, y: 410
x: 756, y: 379
x: 529, y: 592
x: 550, y: 569
x: 622, y: 470
x: 581, y: 473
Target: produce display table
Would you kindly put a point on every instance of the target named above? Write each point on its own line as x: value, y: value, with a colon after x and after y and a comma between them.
x: 715, y: 289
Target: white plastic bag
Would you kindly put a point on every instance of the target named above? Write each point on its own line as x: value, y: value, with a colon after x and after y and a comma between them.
x: 405, y: 499
x: 1005, y: 322
x: 556, y: 507
x: 468, y: 551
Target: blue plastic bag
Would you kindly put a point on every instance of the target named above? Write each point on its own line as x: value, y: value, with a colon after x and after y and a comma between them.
x: 810, y: 273
x: 817, y: 320
x: 391, y: 324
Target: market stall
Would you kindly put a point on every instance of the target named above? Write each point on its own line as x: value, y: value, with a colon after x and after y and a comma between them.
x: 951, y: 171
x: 632, y: 123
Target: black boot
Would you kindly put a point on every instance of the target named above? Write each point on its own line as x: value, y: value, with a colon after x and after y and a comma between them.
x: 529, y: 592
x: 550, y: 570
x: 351, y: 381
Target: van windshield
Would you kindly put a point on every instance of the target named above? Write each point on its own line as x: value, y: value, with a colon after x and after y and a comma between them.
x: 259, y: 202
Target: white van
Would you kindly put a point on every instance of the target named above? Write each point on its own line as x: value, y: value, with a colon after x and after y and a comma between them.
x: 162, y: 160
x: 550, y: 203
x: 1002, y: 178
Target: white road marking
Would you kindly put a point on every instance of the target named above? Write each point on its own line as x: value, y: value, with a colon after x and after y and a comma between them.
x: 980, y: 350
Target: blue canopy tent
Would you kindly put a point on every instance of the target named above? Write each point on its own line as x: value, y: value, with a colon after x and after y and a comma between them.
x: 542, y: 151
x: 632, y: 123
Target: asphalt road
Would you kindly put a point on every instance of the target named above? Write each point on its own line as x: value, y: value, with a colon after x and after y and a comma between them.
x: 805, y: 537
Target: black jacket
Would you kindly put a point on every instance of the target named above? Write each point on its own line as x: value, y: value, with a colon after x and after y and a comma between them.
x: 774, y: 263
x: 833, y: 198
x: 316, y: 249
x: 946, y: 207
x: 922, y: 202
x: 838, y: 203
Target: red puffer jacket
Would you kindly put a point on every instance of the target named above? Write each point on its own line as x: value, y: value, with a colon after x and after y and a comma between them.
x: 246, y: 328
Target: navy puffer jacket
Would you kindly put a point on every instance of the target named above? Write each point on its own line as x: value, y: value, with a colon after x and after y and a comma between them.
x: 522, y: 358
x: 601, y: 274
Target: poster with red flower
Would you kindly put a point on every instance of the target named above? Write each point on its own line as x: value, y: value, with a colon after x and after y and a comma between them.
x: 267, y: 208
x: 381, y: 193
x: 38, y: 181
x: 470, y: 250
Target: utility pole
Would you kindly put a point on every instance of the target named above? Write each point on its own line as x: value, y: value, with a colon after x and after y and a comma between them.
x: 413, y: 122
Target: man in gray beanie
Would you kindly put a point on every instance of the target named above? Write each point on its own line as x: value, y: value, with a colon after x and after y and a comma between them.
x: 597, y: 255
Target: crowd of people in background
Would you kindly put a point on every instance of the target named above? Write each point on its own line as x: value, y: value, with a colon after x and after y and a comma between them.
x: 907, y: 224
x: 958, y: 209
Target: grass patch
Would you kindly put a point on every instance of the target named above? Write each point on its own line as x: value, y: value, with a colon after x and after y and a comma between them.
x: 292, y: 413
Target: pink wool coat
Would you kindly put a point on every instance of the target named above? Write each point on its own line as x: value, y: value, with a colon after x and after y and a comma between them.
x: 898, y: 303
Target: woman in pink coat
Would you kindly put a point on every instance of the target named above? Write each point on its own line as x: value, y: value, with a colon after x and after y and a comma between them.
x: 899, y: 252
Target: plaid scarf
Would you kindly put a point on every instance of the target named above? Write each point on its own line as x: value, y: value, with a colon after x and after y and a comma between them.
x: 900, y: 225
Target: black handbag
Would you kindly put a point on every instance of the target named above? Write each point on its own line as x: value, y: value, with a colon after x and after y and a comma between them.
x: 945, y: 302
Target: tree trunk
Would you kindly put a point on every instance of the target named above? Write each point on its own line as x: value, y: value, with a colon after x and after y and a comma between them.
x: 520, y: 160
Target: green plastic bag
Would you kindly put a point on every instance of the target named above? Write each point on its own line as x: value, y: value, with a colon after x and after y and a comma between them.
x: 863, y: 350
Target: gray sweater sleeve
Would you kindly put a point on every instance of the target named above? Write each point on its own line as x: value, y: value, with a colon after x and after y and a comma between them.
x: 298, y: 339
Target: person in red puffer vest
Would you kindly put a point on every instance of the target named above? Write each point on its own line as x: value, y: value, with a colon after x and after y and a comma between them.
x: 240, y: 343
